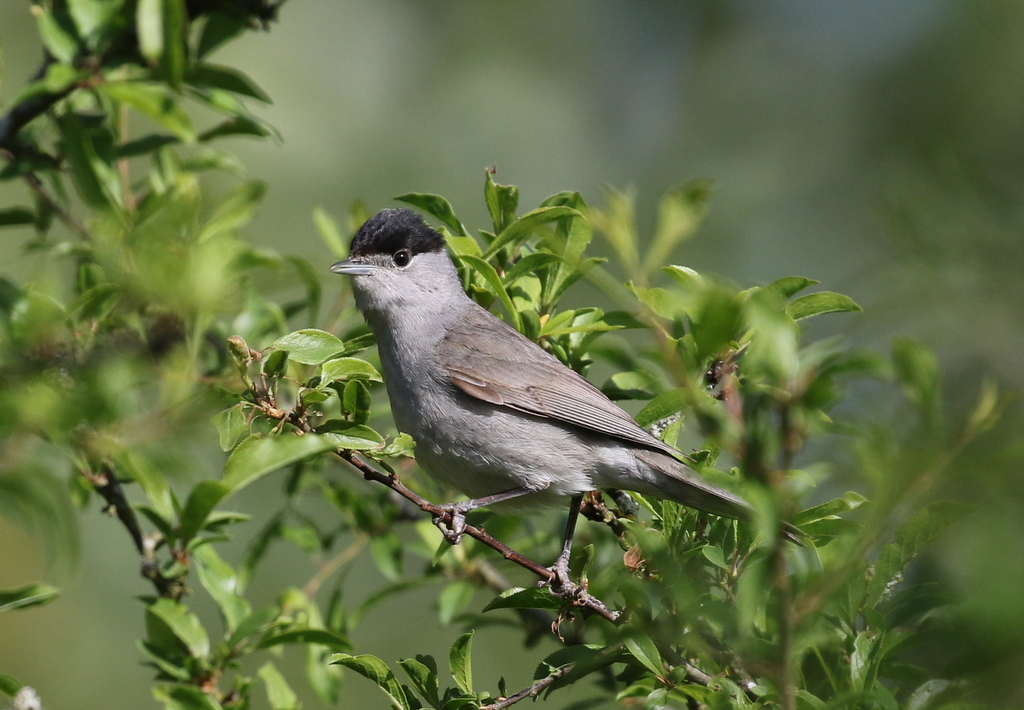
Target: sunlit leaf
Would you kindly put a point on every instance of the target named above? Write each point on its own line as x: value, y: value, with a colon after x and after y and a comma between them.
x: 376, y: 670
x: 279, y: 694
x: 344, y: 368
x: 822, y: 302
x: 221, y: 582
x: 436, y: 206
x: 527, y: 225
x: 460, y: 662
x: 155, y: 101
x: 185, y: 625
x: 310, y: 346
x: 259, y: 455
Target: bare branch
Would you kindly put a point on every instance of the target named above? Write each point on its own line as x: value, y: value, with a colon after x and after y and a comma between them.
x: 109, y: 487
x: 575, y: 594
x: 24, y: 112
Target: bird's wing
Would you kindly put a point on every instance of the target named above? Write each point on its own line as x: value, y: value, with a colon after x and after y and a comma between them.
x: 491, y: 361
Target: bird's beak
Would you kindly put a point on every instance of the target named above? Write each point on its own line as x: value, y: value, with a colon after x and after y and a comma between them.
x: 354, y: 268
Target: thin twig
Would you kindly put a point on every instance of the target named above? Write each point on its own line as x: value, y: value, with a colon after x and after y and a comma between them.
x: 531, y: 692
x: 783, y: 587
x: 334, y: 564
x: 36, y: 185
x: 575, y: 594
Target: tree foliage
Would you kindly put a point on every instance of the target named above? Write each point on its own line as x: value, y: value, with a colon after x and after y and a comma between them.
x: 161, y: 344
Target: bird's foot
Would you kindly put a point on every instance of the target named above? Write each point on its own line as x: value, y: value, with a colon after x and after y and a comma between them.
x: 451, y: 521
x: 560, y: 583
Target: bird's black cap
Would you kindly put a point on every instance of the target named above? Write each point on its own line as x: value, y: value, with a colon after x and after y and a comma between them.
x: 391, y: 230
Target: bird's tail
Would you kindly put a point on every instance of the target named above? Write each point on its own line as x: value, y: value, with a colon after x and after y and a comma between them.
x: 675, y: 480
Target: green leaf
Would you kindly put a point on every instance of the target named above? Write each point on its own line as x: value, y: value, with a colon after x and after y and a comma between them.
x: 376, y: 670
x: 989, y: 408
x: 863, y: 661
x: 227, y: 78
x: 201, y: 502
x: 386, y: 550
x: 17, y: 216
x: 152, y: 482
x: 155, y: 101
x: 144, y: 146
x: 239, y: 125
x: 679, y: 214
x: 235, y: 211
x: 438, y: 207
x: 189, y: 697
x: 460, y: 662
x: 402, y: 445
x: 356, y: 401
x: 231, y: 426
x: 344, y: 368
x: 662, y: 406
x: 279, y: 693
x: 322, y: 637
x: 643, y: 649
x: 455, y: 597
x: 9, y: 685
x: 172, y: 60
x: 325, y: 680
x: 220, y: 581
x: 530, y: 264
x: 310, y: 346
x: 789, y: 286
x: 219, y: 28
x: 917, y: 371
x: 422, y: 671
x: 928, y: 694
x: 687, y: 278
x: 254, y: 624
x: 713, y: 554
x: 26, y: 596
x: 494, y: 281
x: 327, y: 226
x: 58, y: 34
x: 522, y: 228
x: 617, y: 221
x: 96, y: 180
x: 258, y: 455
x: 831, y: 509
x: 822, y: 302
x: 502, y: 202
x: 919, y: 530
x: 349, y: 435
x: 183, y: 624
x: 311, y: 281
x: 525, y: 598
x: 149, y: 26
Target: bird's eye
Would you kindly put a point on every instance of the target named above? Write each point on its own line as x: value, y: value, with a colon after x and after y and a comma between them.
x: 402, y: 257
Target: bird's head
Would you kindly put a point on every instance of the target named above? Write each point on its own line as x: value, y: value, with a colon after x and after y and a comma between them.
x: 398, y: 261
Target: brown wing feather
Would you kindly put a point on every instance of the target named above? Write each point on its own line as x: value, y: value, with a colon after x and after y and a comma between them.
x: 493, y: 362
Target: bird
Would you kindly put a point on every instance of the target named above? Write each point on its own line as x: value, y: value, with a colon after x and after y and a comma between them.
x: 493, y: 414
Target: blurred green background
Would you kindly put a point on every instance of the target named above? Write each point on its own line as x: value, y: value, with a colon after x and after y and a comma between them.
x: 875, y: 146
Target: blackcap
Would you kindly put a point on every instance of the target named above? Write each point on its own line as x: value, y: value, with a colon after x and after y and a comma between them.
x: 493, y: 414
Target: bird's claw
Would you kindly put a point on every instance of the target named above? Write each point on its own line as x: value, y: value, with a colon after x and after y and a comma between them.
x: 559, y: 582
x: 451, y: 521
